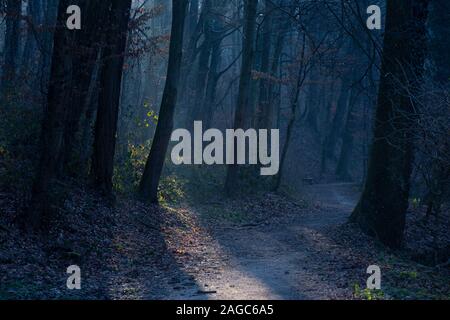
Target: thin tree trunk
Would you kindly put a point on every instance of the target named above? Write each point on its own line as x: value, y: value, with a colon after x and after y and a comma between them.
x: 50, y: 19
x: 148, y: 188
x: 200, y: 81
x: 264, y: 108
x: 191, y: 21
x: 293, y: 116
x: 190, y: 54
x: 337, y: 123
x: 211, y: 86
x: 313, y: 101
x: 34, y: 16
x: 275, y: 71
x: 11, y: 48
x: 250, y: 7
x: 342, y: 169
x: 89, y: 119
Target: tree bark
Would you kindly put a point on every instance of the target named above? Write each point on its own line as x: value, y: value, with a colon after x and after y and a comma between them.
x: 250, y: 7
x: 293, y: 112
x: 382, y: 208
x: 439, y: 44
x: 11, y: 47
x: 47, y: 43
x: 54, y: 120
x: 203, y: 65
x: 211, y: 86
x: 191, y: 21
x: 109, y: 98
x: 88, y: 42
x: 342, y: 169
x: 338, y: 120
x: 264, y: 109
x: 35, y: 19
x: 148, y: 188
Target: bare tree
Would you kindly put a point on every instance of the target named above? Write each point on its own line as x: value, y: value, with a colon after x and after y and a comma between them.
x: 109, y: 97
x: 11, y: 47
x: 382, y: 208
x: 250, y: 7
x: 148, y: 188
x: 54, y: 119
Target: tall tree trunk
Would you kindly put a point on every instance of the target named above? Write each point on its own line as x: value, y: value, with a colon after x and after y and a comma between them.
x: 439, y: 45
x: 216, y: 35
x: 191, y: 51
x: 326, y: 102
x: 382, y: 208
x: 191, y: 21
x: 313, y: 102
x: 211, y: 86
x: 275, y: 69
x: 201, y: 77
x: 264, y: 108
x: 53, y: 123
x: 293, y: 113
x: 338, y: 120
x: 109, y: 98
x: 342, y: 169
x: 200, y: 82
x: 35, y: 19
x: 88, y: 121
x: 148, y: 188
x: 46, y: 39
x: 87, y: 42
x: 11, y: 47
x: 250, y: 7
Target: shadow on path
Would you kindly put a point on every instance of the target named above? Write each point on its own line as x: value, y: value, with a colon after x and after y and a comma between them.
x: 291, y: 259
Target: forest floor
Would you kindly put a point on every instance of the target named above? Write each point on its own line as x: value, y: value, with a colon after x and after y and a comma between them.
x: 261, y: 247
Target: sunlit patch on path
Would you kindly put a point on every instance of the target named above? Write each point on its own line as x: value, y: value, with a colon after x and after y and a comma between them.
x: 291, y: 260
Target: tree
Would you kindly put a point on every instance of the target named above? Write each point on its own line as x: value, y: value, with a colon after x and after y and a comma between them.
x: 264, y: 110
x: 203, y: 63
x: 439, y: 45
x: 381, y: 210
x: 113, y: 57
x: 54, y: 119
x: 11, y: 47
x: 50, y: 14
x: 339, y: 117
x: 88, y: 42
x: 294, y: 99
x: 148, y: 188
x: 34, y: 17
x: 191, y: 21
x: 342, y: 169
x: 242, y: 111
x: 218, y: 30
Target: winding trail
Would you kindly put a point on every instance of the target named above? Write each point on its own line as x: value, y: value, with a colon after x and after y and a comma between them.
x: 292, y: 259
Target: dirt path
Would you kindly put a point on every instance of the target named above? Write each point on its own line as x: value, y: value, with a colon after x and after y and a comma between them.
x: 291, y: 259
x: 267, y: 247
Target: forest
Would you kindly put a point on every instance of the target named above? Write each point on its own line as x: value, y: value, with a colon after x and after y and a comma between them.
x: 225, y: 149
